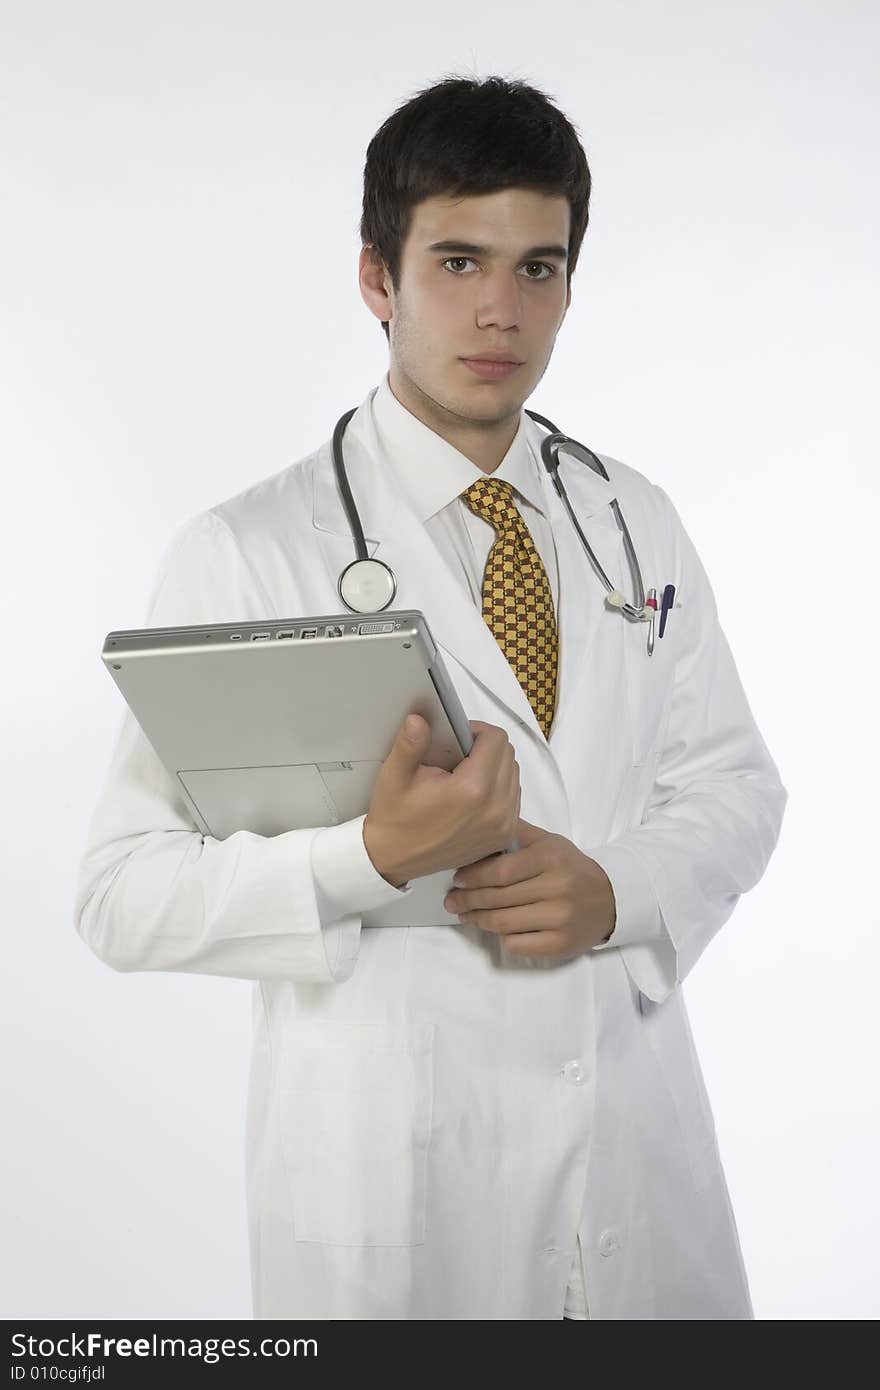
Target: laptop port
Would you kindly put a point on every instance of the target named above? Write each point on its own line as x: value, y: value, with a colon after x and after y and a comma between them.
x: 260, y: 636
x: 309, y: 632
x: 281, y: 635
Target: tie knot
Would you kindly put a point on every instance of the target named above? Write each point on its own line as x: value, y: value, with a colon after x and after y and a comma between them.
x: 492, y: 499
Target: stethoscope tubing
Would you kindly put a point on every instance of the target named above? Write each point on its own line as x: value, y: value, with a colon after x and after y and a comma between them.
x: 550, y: 447
x: 551, y: 444
x: 351, y: 510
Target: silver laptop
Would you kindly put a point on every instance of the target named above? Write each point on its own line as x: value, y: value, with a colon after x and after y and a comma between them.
x: 274, y: 726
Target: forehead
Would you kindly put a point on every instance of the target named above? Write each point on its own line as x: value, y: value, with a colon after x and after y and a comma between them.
x: 505, y: 218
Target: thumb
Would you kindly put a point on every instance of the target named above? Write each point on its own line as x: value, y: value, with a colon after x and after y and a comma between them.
x: 413, y: 738
x: 527, y: 834
x: 407, y: 751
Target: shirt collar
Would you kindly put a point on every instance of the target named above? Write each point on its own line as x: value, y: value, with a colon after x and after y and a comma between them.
x: 431, y: 471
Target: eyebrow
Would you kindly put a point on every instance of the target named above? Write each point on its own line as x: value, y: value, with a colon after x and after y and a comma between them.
x: 468, y: 248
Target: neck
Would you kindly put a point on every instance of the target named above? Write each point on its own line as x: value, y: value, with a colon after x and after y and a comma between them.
x: 485, y: 443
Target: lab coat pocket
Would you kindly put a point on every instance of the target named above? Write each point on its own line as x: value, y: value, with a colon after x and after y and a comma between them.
x: 356, y: 1107
x: 667, y: 1030
x: 649, y: 683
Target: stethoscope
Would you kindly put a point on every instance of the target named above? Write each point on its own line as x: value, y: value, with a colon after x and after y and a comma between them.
x: 369, y: 586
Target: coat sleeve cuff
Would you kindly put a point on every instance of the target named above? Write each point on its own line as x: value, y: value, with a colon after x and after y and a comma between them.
x: 640, y: 932
x: 346, y: 880
x: 638, y: 915
x: 347, y: 884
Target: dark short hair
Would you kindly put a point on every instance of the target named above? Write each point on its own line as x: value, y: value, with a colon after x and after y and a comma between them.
x: 468, y: 136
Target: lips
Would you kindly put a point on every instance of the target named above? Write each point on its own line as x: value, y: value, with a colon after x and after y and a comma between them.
x: 492, y: 357
x: 490, y: 370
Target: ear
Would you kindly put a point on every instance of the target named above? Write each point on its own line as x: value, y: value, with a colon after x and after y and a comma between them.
x: 567, y: 303
x: 375, y: 284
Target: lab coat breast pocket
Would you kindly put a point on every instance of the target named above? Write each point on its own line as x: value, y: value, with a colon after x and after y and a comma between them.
x: 356, y: 1106
x: 649, y: 683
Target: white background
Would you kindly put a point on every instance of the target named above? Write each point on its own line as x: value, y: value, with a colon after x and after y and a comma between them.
x: 180, y: 196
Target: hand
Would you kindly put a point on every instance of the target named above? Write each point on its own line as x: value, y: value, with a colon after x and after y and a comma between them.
x: 544, y: 899
x: 422, y: 818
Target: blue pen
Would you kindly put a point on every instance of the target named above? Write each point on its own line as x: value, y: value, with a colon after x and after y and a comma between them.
x: 668, y: 597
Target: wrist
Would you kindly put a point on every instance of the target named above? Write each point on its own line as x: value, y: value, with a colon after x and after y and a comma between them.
x: 381, y: 860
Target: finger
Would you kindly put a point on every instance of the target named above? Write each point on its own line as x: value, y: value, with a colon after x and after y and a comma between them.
x: 500, y: 870
x: 509, y: 921
x: 528, y: 890
x: 538, y: 943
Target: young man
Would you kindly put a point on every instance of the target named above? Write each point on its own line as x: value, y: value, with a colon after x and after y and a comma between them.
x: 501, y: 1115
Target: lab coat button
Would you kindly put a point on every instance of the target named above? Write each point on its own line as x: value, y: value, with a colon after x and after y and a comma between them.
x: 574, y: 1072
x: 609, y: 1241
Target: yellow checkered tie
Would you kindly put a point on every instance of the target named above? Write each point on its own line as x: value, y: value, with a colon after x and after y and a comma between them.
x: 517, y: 600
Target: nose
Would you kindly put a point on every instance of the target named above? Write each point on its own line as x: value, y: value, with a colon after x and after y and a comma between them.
x: 500, y: 302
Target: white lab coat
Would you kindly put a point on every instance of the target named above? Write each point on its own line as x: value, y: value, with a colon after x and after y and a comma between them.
x: 433, y: 1124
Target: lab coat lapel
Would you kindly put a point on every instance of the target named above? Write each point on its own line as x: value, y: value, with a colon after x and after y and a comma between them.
x: 587, y: 626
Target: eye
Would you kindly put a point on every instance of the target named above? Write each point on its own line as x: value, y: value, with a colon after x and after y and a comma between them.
x: 462, y: 260
x: 551, y: 270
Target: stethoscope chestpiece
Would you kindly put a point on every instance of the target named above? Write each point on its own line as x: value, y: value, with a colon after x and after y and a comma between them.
x: 367, y: 586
